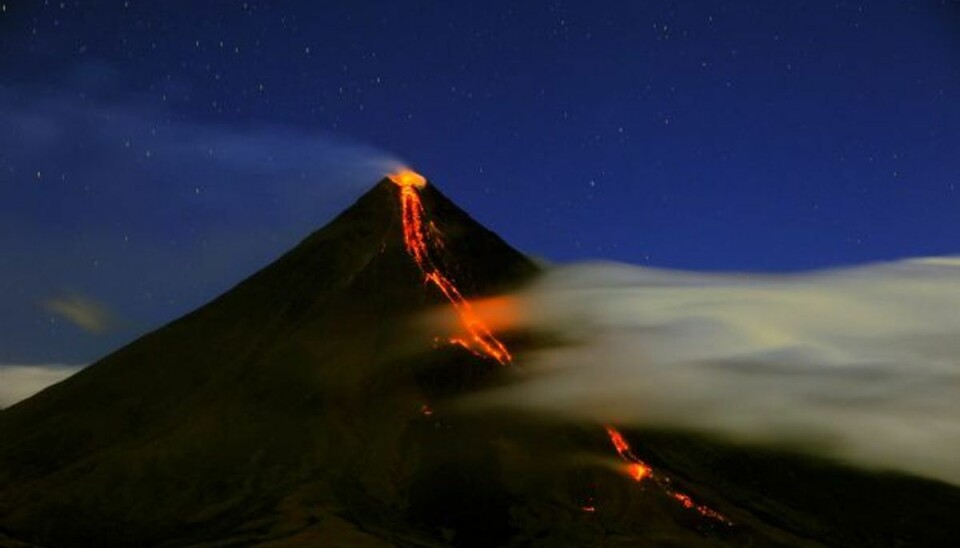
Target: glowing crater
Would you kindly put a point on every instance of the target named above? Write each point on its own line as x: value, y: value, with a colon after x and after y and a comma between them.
x: 407, y: 178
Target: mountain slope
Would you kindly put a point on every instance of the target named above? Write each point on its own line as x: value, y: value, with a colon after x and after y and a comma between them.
x: 310, y: 405
x: 216, y: 414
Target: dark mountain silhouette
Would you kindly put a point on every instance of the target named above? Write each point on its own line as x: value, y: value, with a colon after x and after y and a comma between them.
x: 290, y: 412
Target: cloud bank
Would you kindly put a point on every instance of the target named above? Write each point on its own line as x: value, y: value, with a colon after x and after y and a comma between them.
x: 860, y: 365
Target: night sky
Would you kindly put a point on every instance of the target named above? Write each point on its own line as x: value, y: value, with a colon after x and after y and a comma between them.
x: 152, y: 154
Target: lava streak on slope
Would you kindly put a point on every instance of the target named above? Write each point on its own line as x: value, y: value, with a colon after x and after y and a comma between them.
x: 639, y: 471
x: 477, y: 337
x: 414, y: 237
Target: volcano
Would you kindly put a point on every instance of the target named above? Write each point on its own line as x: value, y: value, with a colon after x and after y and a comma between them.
x: 311, y: 405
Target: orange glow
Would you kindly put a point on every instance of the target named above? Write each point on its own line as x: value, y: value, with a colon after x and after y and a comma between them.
x: 502, y: 312
x: 638, y: 471
x: 477, y: 337
x: 405, y: 177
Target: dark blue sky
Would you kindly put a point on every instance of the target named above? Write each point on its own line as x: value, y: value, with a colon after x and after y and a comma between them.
x: 154, y: 153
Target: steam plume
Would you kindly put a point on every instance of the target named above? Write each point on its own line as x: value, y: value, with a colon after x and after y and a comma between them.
x: 860, y: 364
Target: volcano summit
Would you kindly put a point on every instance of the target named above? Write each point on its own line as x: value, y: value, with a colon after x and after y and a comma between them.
x: 311, y: 406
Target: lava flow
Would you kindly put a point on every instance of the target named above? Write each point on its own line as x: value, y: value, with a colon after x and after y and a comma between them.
x: 639, y: 470
x: 477, y: 338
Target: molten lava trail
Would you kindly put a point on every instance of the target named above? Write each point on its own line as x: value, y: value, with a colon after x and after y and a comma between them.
x: 479, y: 340
x: 639, y: 470
x: 477, y: 337
x: 636, y: 468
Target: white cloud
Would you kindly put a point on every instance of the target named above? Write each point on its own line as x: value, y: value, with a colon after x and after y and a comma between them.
x: 19, y: 382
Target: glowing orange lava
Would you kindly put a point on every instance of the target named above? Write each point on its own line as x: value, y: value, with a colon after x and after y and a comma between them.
x: 405, y: 177
x: 480, y: 338
x: 704, y: 511
x: 477, y: 337
x: 620, y: 444
x: 639, y: 471
x: 409, y: 182
x: 636, y: 468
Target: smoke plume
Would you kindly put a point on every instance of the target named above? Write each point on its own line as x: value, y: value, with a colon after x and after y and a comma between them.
x: 860, y: 365
x: 119, y: 199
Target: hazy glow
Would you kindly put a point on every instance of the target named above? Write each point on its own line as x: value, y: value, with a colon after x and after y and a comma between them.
x: 861, y: 364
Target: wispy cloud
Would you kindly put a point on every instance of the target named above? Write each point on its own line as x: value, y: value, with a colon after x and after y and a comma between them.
x: 85, y: 313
